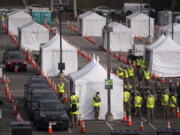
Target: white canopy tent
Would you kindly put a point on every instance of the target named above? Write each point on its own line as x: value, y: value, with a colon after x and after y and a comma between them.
x: 164, y: 57
x: 177, y: 19
x: 140, y: 23
x: 17, y: 19
x: 121, y: 37
x: 50, y: 57
x: 32, y: 35
x: 90, y: 24
x: 89, y: 80
x: 167, y: 30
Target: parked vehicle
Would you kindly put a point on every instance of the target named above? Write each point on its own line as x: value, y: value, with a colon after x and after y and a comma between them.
x: 36, y: 79
x: 37, y: 95
x: 14, y: 61
x: 103, y: 10
x: 51, y: 111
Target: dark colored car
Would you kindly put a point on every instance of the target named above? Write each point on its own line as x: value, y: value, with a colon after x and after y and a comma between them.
x: 34, y: 86
x: 51, y: 111
x: 36, y: 79
x: 7, y: 52
x: 37, y: 95
x: 15, y: 61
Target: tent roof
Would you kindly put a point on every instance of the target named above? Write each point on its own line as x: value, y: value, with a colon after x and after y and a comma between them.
x: 167, y: 45
x: 117, y: 27
x: 93, y: 72
x: 19, y: 15
x: 33, y: 27
x: 157, y: 42
x: 168, y: 27
x: 138, y: 16
x: 91, y: 15
x: 54, y: 44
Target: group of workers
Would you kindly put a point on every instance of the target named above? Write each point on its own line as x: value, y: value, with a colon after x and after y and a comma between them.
x: 142, y: 95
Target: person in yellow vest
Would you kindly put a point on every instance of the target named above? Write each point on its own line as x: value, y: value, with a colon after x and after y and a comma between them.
x: 138, y: 104
x: 126, y: 76
x: 74, y: 98
x: 131, y: 74
x: 172, y: 103
x: 127, y: 101
x: 147, y: 77
x: 120, y: 73
x: 165, y: 103
x: 74, y: 113
x: 96, y: 104
x: 150, y: 104
x: 60, y: 89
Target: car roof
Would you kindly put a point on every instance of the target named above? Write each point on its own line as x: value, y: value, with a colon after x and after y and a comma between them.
x: 42, y: 91
x: 43, y: 85
x: 50, y: 101
x: 36, y: 78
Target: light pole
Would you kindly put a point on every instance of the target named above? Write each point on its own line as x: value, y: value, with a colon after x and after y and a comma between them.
x: 61, y: 65
x: 109, y: 116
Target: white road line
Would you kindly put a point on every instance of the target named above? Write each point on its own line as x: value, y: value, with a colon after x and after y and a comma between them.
x: 107, y: 123
x: 144, y: 119
x: 150, y: 124
x: 69, y: 130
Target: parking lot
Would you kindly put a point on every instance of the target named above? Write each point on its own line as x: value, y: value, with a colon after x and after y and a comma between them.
x: 17, y: 81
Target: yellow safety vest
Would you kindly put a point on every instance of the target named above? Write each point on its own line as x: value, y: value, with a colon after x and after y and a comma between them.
x: 150, y: 102
x: 120, y: 73
x: 76, y: 111
x: 131, y: 72
x: 165, y: 99
x: 138, y: 101
x: 126, y: 95
x: 126, y: 74
x: 60, y: 87
x: 129, y: 86
x: 172, y: 102
x: 138, y: 62
x: 74, y: 98
x: 96, y: 103
x: 146, y: 75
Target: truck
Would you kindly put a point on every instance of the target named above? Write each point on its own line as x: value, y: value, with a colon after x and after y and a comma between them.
x: 130, y: 8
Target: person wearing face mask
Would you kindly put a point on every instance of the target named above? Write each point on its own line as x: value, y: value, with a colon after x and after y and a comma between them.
x: 96, y: 104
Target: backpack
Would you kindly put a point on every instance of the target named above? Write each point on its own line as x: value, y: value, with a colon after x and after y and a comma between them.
x: 74, y: 108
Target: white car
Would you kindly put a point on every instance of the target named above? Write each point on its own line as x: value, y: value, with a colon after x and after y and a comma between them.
x: 102, y: 10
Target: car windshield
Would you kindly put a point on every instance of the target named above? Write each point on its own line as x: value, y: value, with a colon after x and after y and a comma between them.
x: 38, y: 81
x: 42, y: 96
x: 16, y: 57
x: 51, y: 106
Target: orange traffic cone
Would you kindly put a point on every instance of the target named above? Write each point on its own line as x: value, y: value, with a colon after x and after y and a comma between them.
x: 10, y: 97
x: 163, y: 80
x: 65, y: 98
x: 170, y: 81
x: 19, y: 118
x: 82, y: 127
x: 33, y: 63
x: 129, y: 121
x: 4, y: 79
x: 177, y: 113
x: 9, y: 33
x: 50, y: 128
x: 14, y: 111
x: 49, y: 81
x: 6, y: 89
x: 141, y: 128
x: 124, y: 117
x: 168, y: 124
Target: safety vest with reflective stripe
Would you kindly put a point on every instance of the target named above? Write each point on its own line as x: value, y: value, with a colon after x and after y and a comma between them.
x: 126, y: 95
x: 165, y: 99
x: 74, y: 98
x: 120, y: 73
x: 150, y: 102
x: 126, y: 74
x: 138, y: 101
x: 76, y: 112
x: 96, y: 101
x: 131, y: 72
x: 146, y: 75
x: 172, y: 101
x: 129, y: 86
x: 138, y: 62
x: 60, y: 87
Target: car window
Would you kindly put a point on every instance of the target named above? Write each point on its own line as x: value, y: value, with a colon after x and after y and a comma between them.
x: 42, y: 96
x: 38, y: 81
x: 16, y: 57
x: 51, y: 107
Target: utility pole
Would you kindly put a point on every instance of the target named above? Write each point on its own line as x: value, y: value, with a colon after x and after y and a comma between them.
x: 172, y: 7
x: 75, y: 8
x: 51, y: 4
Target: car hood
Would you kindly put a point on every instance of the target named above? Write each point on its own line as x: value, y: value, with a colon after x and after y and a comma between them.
x: 54, y: 114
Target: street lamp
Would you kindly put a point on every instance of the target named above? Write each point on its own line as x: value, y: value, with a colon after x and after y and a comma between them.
x: 61, y: 65
x: 109, y: 116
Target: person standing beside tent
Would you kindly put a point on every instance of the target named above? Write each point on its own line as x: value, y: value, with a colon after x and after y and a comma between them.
x: 146, y: 77
x: 120, y: 72
x: 150, y: 104
x: 96, y: 104
x: 131, y: 75
x: 126, y: 76
x: 60, y: 89
x: 74, y: 97
x: 127, y: 101
x: 165, y: 103
x: 74, y: 107
x: 172, y: 103
x: 138, y: 104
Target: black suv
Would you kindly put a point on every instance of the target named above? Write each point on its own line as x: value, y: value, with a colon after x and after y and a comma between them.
x: 51, y: 111
x: 34, y: 86
x: 37, y: 95
x: 36, y: 79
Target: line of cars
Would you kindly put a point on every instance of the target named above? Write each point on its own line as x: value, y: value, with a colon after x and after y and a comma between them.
x: 43, y: 106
